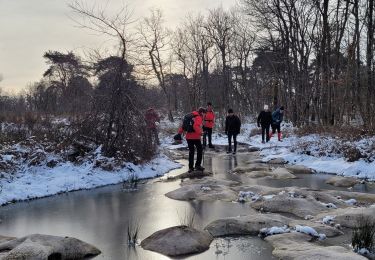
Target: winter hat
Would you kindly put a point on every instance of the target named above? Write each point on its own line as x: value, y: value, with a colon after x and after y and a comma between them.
x: 201, y: 110
x: 282, y: 108
x: 209, y: 104
x: 265, y: 107
x: 230, y: 111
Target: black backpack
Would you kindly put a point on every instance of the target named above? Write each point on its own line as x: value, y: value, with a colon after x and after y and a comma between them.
x: 188, y: 123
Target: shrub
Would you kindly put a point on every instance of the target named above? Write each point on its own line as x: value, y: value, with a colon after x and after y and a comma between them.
x: 363, y: 234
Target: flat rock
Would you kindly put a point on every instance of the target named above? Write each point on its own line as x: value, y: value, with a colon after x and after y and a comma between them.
x: 282, y: 173
x: 258, y: 174
x: 210, y: 181
x: 203, y: 192
x: 245, y: 225
x: 299, y: 207
x: 46, y: 247
x: 339, y: 181
x: 254, y: 161
x: 253, y: 149
x: 177, y: 241
x: 259, y: 189
x: 299, y: 169
x: 252, y: 167
x: 194, y: 174
x: 347, y: 217
x: 359, y: 196
x: 319, y: 227
x: 277, y: 161
x: 296, y: 246
x: 321, y: 196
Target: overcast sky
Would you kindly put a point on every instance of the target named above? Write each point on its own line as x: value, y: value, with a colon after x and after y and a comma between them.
x: 28, y: 28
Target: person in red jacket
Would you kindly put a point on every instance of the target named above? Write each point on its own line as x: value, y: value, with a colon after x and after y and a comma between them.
x: 194, y: 140
x: 208, y: 125
x: 151, y: 118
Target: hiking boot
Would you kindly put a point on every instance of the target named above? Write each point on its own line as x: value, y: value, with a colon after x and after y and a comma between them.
x: 190, y: 170
x: 263, y: 142
x: 199, y: 168
x: 229, y: 151
x: 234, y: 152
x: 211, y: 146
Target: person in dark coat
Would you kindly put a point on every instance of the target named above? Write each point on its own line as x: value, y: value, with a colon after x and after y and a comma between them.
x: 232, y: 129
x: 265, y: 121
x: 277, y: 118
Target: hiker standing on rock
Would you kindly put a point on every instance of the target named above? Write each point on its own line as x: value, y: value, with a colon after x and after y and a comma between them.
x: 151, y: 118
x: 264, y: 121
x: 208, y: 125
x: 232, y: 129
x: 192, y: 127
x: 277, y: 118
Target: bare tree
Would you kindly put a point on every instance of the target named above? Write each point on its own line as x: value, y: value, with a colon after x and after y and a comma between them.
x: 154, y: 40
x: 122, y: 122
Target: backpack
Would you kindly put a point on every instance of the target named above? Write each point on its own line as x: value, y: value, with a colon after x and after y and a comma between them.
x: 188, y: 123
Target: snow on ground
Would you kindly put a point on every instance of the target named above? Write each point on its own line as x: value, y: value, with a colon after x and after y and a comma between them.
x: 39, y: 181
x: 321, y: 153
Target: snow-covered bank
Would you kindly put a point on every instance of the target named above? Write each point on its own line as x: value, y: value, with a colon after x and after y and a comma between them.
x: 29, y: 181
x: 324, y: 154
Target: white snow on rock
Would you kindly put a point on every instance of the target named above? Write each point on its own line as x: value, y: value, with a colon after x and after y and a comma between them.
x: 274, y: 231
x: 351, y: 202
x: 309, y: 231
x: 329, y: 205
x: 328, y: 220
x: 244, y: 196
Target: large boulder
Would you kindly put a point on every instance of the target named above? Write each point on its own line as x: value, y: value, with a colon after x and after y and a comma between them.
x: 300, y: 207
x: 245, y: 225
x: 46, y: 247
x: 339, y: 181
x: 297, y: 246
x: 177, y: 241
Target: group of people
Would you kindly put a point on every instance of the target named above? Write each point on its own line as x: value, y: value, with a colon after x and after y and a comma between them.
x: 266, y: 119
x: 201, y: 123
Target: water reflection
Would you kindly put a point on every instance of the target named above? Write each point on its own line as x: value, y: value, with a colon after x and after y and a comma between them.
x: 101, y: 216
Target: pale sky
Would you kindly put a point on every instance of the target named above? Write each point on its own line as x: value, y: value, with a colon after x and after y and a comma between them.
x: 28, y: 28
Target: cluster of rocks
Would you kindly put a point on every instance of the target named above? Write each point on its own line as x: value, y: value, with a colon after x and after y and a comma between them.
x: 291, y: 219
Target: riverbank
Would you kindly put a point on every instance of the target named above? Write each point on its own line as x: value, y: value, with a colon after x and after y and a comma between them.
x: 322, y: 153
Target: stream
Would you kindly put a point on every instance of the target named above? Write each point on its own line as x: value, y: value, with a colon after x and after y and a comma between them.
x: 101, y: 216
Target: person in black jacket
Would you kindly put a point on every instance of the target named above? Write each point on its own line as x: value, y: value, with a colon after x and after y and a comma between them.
x: 265, y: 121
x: 277, y: 118
x: 232, y: 128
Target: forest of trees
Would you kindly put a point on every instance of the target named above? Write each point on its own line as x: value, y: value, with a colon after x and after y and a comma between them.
x: 314, y: 57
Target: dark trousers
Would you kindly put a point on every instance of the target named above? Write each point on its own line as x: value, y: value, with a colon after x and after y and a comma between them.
x: 266, y: 131
x: 192, y: 143
x: 207, y: 132
x: 230, y: 141
x: 275, y: 127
